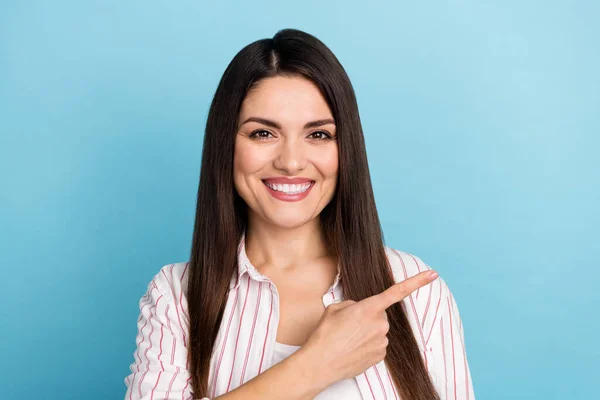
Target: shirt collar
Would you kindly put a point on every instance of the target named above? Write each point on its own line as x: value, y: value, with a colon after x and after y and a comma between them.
x: 246, y: 267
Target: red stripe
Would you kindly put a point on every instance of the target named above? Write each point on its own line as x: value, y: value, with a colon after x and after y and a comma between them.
x: 436, y: 313
x: 418, y: 269
x: 251, y: 333
x: 238, y: 334
x: 181, y: 325
x: 183, y: 331
x: 414, y: 310
x: 144, y: 301
x: 131, y: 388
x: 453, y: 359
x: 369, y: 383
x: 427, y: 305
x: 172, y: 333
x: 444, y: 354
x: 380, y: 382
x: 240, y: 264
x: 160, y: 346
x: 184, y: 270
x: 165, y: 275
x: 173, y: 350
x: 267, y: 334
x: 138, y: 347
x: 185, y: 387
x: 181, y: 280
x: 146, y: 352
x: 392, y: 384
x: 142, y: 330
x: 155, y: 385
x: 464, y: 350
x: 237, y: 280
x: 224, y: 342
x: 412, y: 304
x: 141, y: 380
x: 181, y: 305
x: 171, y: 383
x: 148, y: 296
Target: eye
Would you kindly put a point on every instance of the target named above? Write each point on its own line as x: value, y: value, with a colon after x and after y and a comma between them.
x: 260, y: 134
x: 320, y: 135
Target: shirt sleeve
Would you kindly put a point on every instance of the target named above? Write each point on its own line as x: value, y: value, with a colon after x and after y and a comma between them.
x: 159, y: 370
x: 448, y: 347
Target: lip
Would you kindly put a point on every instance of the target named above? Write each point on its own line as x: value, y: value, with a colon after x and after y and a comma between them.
x: 289, y: 197
x: 289, y: 181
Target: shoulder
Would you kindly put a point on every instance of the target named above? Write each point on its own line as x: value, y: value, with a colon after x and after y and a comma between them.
x: 436, y: 323
x: 171, y: 280
x: 425, y: 305
x: 404, y: 265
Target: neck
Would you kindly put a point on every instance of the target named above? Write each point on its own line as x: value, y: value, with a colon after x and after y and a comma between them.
x: 284, y: 248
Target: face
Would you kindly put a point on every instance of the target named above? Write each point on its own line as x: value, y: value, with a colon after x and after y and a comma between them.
x: 286, y: 152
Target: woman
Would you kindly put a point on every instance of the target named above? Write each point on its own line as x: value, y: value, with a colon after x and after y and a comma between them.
x: 290, y: 292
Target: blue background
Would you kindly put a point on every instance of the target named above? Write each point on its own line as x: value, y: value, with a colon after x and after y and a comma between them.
x: 481, y: 121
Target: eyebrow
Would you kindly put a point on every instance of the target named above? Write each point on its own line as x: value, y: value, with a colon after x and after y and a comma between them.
x: 273, y: 124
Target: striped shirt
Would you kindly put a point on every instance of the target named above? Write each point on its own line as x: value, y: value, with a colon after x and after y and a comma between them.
x: 246, y: 338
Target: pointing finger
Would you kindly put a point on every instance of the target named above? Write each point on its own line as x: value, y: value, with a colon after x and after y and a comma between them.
x: 400, y: 290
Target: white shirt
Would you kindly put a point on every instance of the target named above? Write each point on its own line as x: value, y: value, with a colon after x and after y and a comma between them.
x: 246, y: 342
x: 346, y: 389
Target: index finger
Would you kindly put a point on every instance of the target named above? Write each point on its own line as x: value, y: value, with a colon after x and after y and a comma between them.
x: 400, y: 290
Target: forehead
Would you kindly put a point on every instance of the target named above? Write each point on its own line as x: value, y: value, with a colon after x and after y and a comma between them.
x: 285, y: 99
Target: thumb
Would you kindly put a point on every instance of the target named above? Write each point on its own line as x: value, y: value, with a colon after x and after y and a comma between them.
x: 338, y: 304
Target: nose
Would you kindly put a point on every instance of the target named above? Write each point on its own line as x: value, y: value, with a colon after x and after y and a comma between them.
x: 291, y: 157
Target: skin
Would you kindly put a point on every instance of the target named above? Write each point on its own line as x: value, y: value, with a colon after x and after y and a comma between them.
x: 350, y: 338
x: 288, y: 151
x: 285, y: 243
x: 284, y: 240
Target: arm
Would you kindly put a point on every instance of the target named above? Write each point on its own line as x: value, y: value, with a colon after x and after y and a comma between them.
x: 448, y: 345
x: 160, y: 370
x: 294, y: 378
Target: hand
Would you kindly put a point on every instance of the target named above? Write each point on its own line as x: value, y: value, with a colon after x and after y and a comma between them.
x: 351, y: 336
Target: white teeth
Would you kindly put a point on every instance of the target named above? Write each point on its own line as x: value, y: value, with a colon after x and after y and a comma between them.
x: 289, y: 189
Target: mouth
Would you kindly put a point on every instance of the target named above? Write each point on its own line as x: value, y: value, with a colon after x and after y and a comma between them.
x: 287, y: 192
x: 289, y: 189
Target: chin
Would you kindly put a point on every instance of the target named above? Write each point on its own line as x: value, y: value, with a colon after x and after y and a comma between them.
x: 290, y: 221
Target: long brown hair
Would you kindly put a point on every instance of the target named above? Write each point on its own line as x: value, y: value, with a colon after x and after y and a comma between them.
x: 350, y: 221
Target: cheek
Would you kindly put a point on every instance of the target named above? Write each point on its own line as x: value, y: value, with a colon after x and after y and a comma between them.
x: 328, y: 163
x: 244, y: 159
x: 248, y: 159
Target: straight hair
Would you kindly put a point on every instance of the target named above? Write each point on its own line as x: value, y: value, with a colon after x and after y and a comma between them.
x: 350, y: 221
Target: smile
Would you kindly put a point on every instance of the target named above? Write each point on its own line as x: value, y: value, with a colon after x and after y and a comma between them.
x: 287, y: 192
x: 290, y: 189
